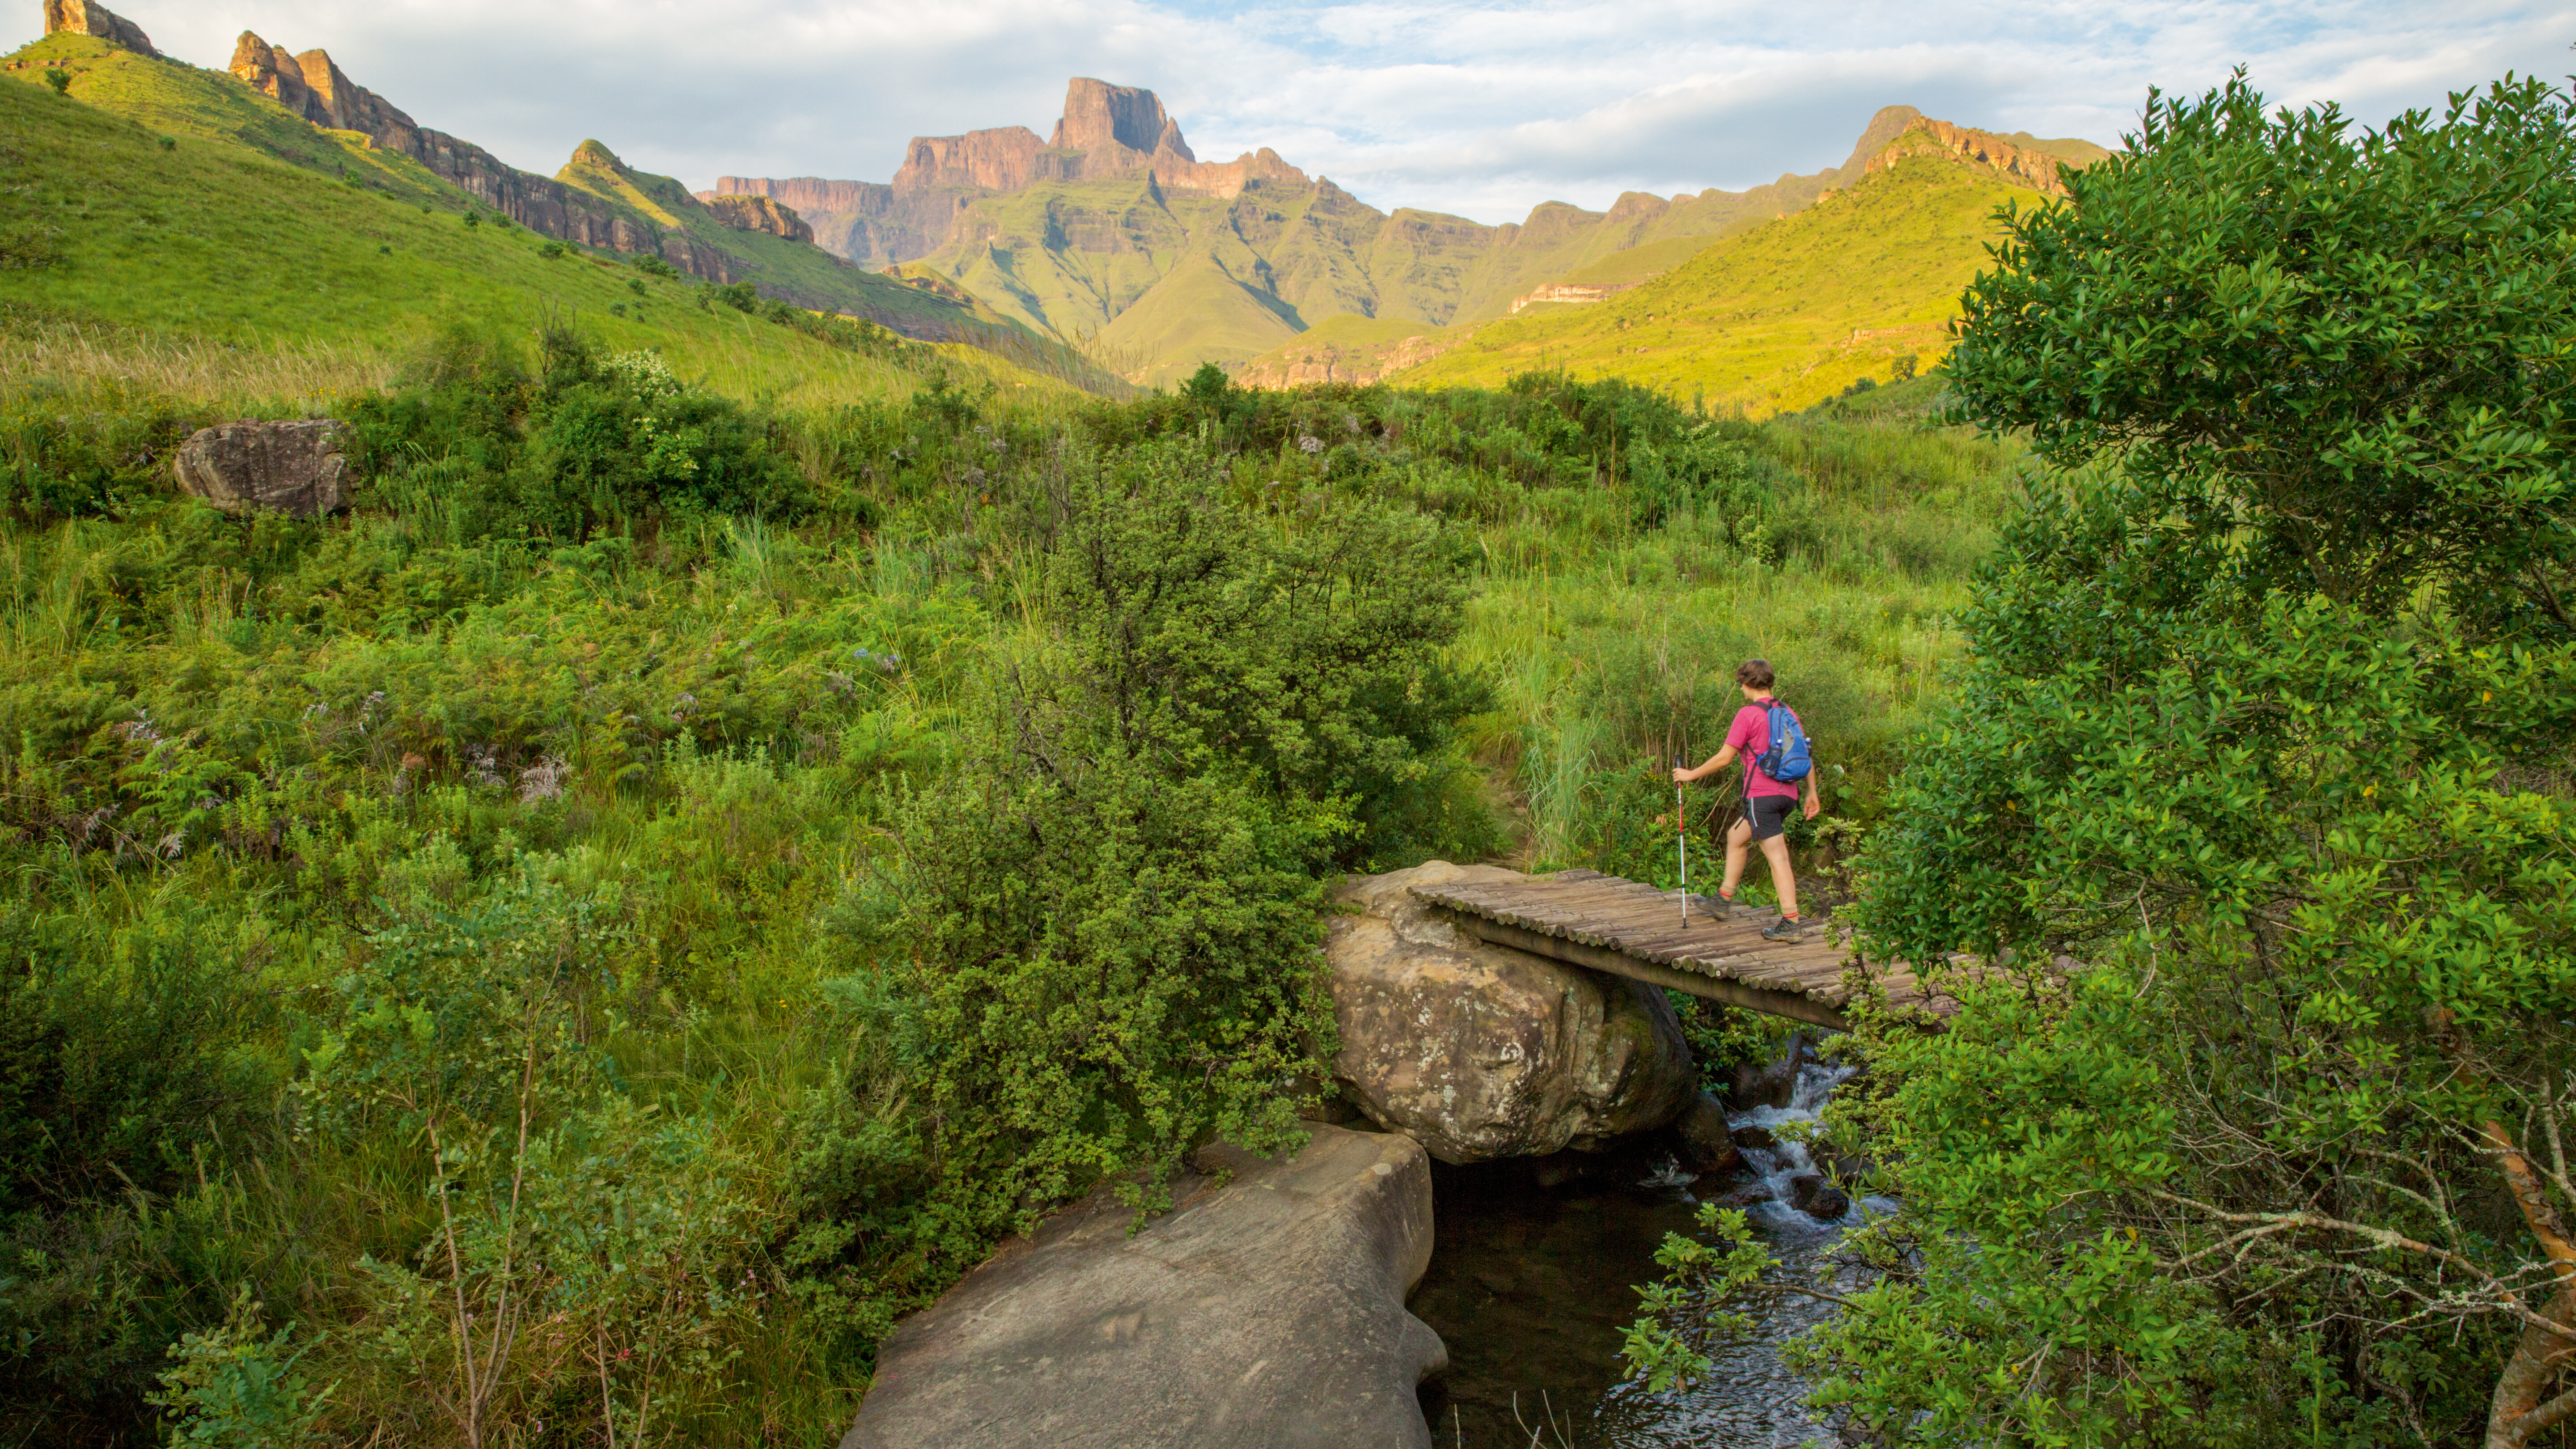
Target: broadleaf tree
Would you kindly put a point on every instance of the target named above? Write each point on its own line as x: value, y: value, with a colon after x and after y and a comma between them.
x: 2253, y: 818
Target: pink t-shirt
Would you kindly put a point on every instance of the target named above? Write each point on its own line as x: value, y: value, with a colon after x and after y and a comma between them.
x: 1749, y: 736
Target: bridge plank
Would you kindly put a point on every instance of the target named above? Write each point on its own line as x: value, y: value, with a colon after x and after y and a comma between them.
x: 1606, y: 920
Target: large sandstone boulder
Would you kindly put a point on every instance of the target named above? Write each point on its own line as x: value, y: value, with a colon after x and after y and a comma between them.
x: 293, y: 468
x: 1266, y: 1312
x: 1480, y: 1051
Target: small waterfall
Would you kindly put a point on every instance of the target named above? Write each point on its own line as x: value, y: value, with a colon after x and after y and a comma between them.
x: 1531, y: 1288
x: 1773, y: 1198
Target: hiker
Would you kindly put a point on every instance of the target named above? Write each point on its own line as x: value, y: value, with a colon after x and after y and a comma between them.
x: 1766, y: 733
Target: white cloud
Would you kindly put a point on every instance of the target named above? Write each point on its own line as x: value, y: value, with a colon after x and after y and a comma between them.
x: 1478, y: 108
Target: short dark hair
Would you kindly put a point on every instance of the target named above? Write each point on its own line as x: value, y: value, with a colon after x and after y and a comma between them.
x: 1754, y: 674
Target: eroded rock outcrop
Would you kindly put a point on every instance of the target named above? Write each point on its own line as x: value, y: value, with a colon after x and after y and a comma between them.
x: 85, y: 17
x: 1268, y: 1312
x: 294, y: 468
x: 1480, y: 1051
x: 312, y: 86
x: 2024, y: 165
x: 759, y: 213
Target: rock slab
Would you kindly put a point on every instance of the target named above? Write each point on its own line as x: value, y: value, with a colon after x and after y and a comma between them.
x: 294, y: 468
x: 1480, y: 1051
x: 1263, y: 1313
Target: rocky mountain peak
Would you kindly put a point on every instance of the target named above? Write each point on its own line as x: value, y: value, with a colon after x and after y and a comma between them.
x: 1099, y: 116
x: 87, y: 17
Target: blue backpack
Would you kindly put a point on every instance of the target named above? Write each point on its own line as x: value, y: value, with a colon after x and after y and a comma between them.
x: 1787, y: 760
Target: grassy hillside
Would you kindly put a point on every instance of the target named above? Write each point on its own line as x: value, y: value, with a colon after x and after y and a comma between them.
x: 1778, y: 317
x: 181, y: 250
x: 1637, y: 264
x: 1175, y: 278
x: 210, y: 119
x: 1343, y: 348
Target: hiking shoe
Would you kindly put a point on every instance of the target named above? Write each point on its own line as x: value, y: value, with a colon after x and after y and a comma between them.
x: 1717, y: 908
x: 1783, y: 929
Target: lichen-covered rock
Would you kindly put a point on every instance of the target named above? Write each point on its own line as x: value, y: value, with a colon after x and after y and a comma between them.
x: 294, y: 468
x: 1264, y: 1314
x: 1479, y: 1051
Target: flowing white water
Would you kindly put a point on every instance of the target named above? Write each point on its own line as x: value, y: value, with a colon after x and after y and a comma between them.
x: 1531, y: 1290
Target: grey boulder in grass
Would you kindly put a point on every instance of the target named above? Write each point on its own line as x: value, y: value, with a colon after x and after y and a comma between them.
x: 1264, y: 1312
x: 293, y: 468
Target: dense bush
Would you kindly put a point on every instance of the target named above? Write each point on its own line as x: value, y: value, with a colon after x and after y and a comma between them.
x: 840, y: 855
x: 590, y: 441
x: 2253, y: 806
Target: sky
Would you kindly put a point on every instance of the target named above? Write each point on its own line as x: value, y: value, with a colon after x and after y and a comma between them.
x: 1481, y: 109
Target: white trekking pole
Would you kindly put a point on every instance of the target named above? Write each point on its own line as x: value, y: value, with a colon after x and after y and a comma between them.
x: 1681, y: 834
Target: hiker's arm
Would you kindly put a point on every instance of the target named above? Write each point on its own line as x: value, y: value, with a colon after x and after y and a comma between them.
x: 1815, y: 794
x: 1716, y: 762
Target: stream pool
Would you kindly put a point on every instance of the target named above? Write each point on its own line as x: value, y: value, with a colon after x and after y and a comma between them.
x: 1532, y: 1289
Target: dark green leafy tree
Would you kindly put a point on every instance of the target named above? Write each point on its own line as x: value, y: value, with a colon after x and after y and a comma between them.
x: 2255, y: 810
x: 1103, y: 944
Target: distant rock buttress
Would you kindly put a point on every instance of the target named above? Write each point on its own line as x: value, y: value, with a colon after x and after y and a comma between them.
x: 84, y: 17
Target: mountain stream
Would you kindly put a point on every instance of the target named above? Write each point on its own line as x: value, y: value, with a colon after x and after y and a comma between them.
x: 1533, y: 1288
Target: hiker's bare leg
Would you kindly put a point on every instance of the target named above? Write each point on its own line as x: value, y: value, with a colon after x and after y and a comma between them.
x: 1784, y: 881
x: 1737, y: 838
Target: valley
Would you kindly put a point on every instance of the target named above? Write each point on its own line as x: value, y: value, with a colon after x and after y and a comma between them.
x: 1058, y: 800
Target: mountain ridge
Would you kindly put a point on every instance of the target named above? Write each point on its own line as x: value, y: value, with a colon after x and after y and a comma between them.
x: 304, y: 109
x: 1772, y: 318
x: 1075, y: 237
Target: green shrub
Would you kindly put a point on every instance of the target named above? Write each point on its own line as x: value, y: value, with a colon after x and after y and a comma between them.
x: 2252, y: 806
x: 591, y: 441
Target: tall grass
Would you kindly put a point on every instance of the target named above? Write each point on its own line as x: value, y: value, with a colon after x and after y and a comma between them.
x: 1614, y: 651
x: 299, y: 374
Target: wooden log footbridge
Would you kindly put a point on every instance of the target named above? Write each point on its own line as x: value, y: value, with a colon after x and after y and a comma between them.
x: 1585, y: 918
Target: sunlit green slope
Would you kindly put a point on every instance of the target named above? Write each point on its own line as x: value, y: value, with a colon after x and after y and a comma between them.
x: 1774, y: 318
x: 160, y: 207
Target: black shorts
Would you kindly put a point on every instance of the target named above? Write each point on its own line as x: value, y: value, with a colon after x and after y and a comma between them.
x: 1769, y: 814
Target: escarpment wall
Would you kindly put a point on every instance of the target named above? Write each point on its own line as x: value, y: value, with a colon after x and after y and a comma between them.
x: 313, y: 86
x: 2021, y: 164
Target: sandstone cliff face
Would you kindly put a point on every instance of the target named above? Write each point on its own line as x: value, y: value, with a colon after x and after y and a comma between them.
x: 759, y: 213
x: 1099, y: 116
x: 867, y: 222
x: 993, y: 209
x: 312, y: 86
x: 1004, y: 159
x: 2020, y: 164
x: 86, y: 17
